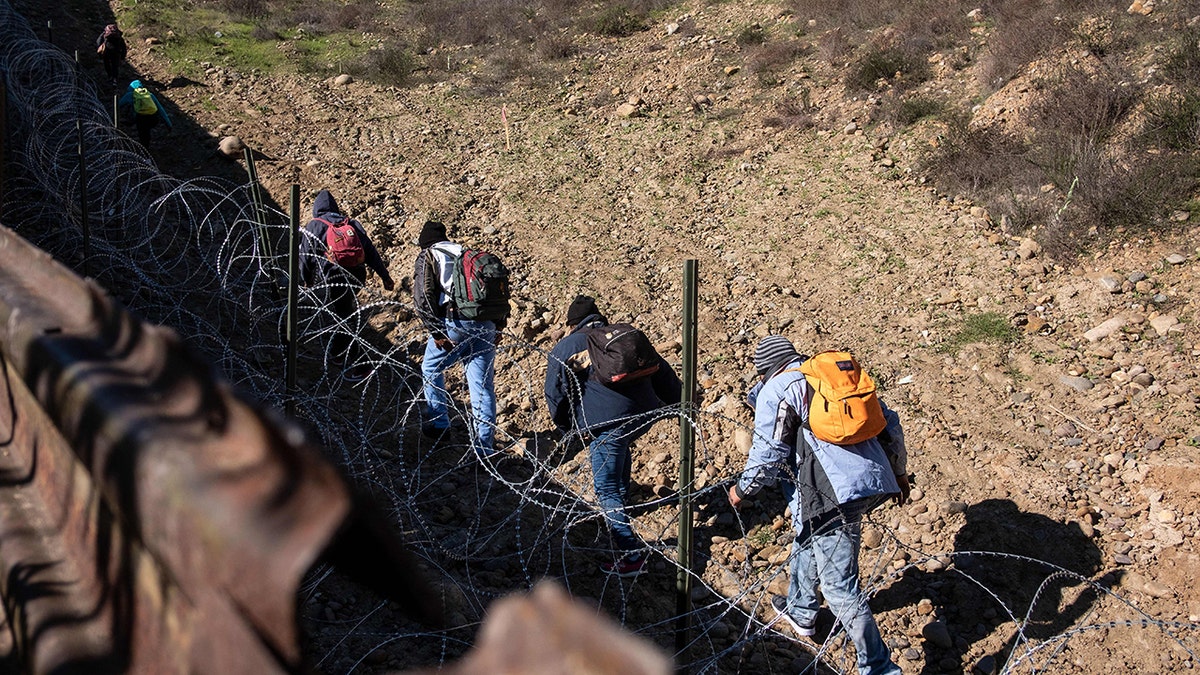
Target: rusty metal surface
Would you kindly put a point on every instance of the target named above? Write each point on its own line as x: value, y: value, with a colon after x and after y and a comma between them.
x: 150, y: 520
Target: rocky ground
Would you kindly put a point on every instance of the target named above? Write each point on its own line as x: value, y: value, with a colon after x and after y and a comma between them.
x: 1075, y: 442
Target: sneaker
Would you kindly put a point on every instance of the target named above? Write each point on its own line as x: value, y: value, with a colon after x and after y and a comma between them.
x: 357, y: 373
x: 779, y: 604
x: 625, y: 567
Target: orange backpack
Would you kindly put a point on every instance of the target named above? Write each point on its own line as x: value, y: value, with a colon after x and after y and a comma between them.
x: 843, y: 408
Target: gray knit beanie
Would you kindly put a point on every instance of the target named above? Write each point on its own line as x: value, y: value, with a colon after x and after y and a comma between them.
x: 772, y: 352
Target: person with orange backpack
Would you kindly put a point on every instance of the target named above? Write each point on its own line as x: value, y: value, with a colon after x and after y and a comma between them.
x: 821, y: 431
x: 147, y: 110
x: 335, y: 252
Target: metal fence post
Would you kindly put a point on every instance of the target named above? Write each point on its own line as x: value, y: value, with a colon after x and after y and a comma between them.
x: 293, y: 297
x: 687, y: 447
x: 84, y: 215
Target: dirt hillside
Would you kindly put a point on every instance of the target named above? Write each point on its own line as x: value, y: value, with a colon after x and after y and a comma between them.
x: 1067, y: 432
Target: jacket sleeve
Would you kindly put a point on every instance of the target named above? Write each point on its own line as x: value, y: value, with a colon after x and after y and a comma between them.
x: 426, y: 288
x: 312, y: 237
x: 162, y: 112
x: 563, y: 392
x: 892, y: 440
x: 374, y: 260
x: 775, y: 424
x: 667, y: 386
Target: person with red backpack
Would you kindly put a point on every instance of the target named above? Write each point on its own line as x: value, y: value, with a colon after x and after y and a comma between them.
x: 112, y: 50
x: 461, y: 296
x: 335, y: 253
x: 607, y: 384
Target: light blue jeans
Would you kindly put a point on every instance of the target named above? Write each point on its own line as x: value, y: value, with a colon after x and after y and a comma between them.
x: 474, y: 345
x: 826, y: 551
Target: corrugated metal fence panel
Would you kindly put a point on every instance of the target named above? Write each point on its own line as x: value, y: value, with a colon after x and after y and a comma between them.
x: 138, y: 493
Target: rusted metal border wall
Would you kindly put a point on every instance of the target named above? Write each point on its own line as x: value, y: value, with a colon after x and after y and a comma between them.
x: 151, y: 521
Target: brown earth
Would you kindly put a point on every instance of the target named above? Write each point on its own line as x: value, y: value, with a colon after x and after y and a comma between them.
x: 1054, y: 446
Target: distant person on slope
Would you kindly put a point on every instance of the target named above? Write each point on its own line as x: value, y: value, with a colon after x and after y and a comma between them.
x: 112, y: 49
x: 147, y: 110
x: 335, y: 252
x: 611, y: 415
x: 829, y: 487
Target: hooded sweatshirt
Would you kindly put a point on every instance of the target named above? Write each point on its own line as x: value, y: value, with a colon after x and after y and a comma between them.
x: 314, y: 266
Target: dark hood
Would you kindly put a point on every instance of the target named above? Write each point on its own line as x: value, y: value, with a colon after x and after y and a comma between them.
x: 324, y: 204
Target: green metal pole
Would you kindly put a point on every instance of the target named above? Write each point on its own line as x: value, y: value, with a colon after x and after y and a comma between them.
x: 293, y: 297
x: 259, y: 212
x: 84, y: 215
x: 687, y: 450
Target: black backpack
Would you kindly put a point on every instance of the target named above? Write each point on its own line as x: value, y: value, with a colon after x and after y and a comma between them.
x: 620, y: 353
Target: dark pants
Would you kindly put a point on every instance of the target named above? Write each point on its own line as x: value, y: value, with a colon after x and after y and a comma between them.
x: 144, y: 124
x: 112, y: 65
x: 343, y: 302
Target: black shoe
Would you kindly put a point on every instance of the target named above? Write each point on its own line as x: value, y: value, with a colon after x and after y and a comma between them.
x: 431, y: 432
x: 779, y: 604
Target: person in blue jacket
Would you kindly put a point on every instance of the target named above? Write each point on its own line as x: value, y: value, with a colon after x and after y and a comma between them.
x: 829, y: 488
x: 341, y: 282
x: 147, y: 110
x: 613, y: 417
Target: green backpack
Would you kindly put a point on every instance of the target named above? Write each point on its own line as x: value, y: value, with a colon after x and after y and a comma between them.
x: 480, y: 287
x: 143, y: 102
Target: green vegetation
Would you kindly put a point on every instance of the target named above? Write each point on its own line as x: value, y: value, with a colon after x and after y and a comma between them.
x: 986, y: 327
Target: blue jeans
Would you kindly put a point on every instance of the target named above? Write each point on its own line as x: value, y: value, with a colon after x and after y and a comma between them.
x: 827, y: 551
x: 474, y: 345
x: 611, y: 462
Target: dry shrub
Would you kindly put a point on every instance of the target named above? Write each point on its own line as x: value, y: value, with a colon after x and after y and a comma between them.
x: 894, y: 65
x: 1173, y: 122
x: 1183, y: 61
x: 906, y: 110
x: 1025, y: 30
x: 1080, y: 104
x: 242, y: 9
x: 792, y: 113
x: 358, y: 15
x: 834, y: 46
x: 617, y: 21
x: 392, y: 64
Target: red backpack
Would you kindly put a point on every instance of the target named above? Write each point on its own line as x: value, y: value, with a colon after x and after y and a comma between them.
x: 342, y: 244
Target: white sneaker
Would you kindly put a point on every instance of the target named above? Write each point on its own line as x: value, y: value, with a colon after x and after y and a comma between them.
x: 779, y: 604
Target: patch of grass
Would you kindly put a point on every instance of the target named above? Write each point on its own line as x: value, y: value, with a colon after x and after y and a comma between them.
x: 990, y: 327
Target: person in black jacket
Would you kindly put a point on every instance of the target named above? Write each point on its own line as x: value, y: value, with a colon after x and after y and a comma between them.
x: 341, y: 282
x: 453, y: 338
x: 112, y: 49
x: 612, y: 416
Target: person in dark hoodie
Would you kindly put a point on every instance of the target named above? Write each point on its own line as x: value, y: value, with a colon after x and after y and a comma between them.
x: 147, y: 110
x: 612, y: 417
x: 112, y: 49
x: 335, y: 252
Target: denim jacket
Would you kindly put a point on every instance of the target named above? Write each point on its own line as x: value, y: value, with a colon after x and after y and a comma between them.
x: 818, y: 477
